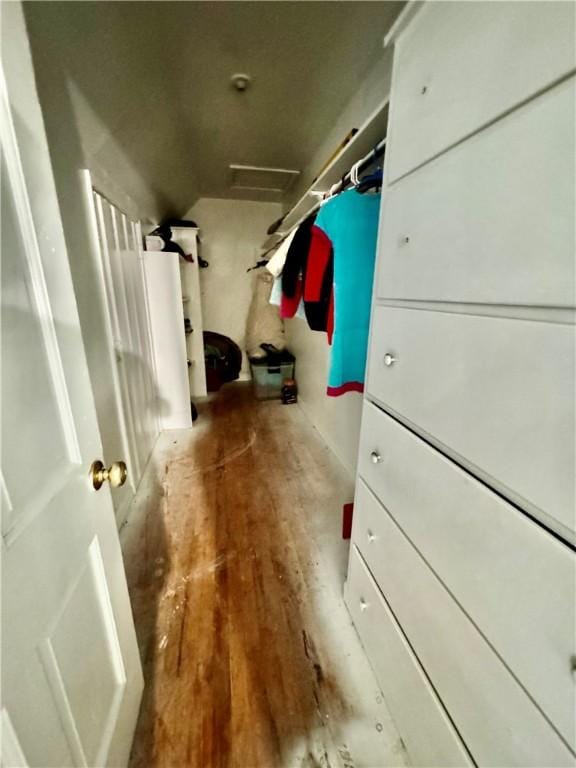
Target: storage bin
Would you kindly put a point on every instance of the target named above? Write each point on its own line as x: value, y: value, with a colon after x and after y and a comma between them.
x: 267, y: 376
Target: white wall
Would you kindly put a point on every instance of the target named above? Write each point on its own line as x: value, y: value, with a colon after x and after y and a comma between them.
x: 336, y: 418
x: 231, y: 234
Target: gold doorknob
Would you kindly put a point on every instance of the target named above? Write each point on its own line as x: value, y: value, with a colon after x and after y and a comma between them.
x: 116, y: 474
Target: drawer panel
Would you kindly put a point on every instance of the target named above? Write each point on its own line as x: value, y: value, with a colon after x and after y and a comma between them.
x: 515, y: 581
x: 495, y: 392
x: 494, y: 716
x: 425, y: 728
x: 493, y: 220
x: 459, y: 66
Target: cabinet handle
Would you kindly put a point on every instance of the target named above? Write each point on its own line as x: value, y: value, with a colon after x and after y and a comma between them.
x: 406, y: 239
x: 573, y: 664
x: 363, y: 604
x: 375, y: 457
x: 389, y: 359
x: 371, y: 536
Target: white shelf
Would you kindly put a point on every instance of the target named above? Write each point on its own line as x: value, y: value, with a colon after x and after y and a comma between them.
x: 163, y: 287
x: 372, y: 131
x: 191, y: 296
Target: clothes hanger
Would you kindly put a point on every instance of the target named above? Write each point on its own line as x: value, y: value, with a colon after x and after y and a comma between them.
x: 354, y: 171
x: 371, y: 181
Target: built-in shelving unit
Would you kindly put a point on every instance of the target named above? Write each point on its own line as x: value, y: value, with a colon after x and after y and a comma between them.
x: 168, y: 340
x: 370, y: 133
x: 187, y: 238
x: 174, y: 297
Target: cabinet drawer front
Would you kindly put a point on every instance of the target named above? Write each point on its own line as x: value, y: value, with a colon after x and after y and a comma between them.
x: 493, y: 220
x: 496, y: 719
x: 459, y: 66
x: 515, y: 581
x: 425, y: 728
x: 495, y: 392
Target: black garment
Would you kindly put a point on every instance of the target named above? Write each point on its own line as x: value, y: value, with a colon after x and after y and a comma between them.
x: 164, y: 232
x: 295, y: 264
x: 171, y: 247
x: 318, y: 312
x: 318, y: 281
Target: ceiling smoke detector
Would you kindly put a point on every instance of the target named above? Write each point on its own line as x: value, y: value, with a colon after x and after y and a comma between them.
x: 241, y: 82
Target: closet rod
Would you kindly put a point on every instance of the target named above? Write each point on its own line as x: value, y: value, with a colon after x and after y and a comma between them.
x: 362, y: 164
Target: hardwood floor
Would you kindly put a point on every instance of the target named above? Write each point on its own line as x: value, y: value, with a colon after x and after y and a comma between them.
x: 235, y: 569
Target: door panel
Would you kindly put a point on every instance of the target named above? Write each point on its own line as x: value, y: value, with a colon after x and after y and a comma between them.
x: 71, y: 674
x: 139, y: 361
x: 114, y: 277
x: 38, y: 392
x: 134, y: 239
x: 85, y: 626
x: 118, y: 249
x: 115, y: 420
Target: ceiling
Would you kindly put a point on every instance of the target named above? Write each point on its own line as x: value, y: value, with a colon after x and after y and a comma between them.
x: 149, y: 93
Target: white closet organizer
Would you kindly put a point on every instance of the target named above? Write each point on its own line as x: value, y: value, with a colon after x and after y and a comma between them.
x: 370, y: 133
x: 462, y: 573
x: 164, y: 290
x: 187, y: 238
x: 174, y: 299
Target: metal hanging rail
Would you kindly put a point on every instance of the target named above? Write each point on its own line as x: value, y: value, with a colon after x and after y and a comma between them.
x: 361, y: 165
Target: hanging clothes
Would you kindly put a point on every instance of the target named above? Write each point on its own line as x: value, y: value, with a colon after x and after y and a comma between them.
x: 318, y: 282
x: 350, y: 221
x: 276, y: 262
x: 276, y: 299
x: 263, y: 326
x: 295, y: 267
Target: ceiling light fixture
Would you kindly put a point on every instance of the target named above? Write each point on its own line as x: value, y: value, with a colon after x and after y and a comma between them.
x: 241, y: 82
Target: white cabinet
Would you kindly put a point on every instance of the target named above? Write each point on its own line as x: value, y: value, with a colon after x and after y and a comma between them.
x: 187, y: 238
x: 447, y: 220
x: 188, y: 306
x: 127, y: 411
x: 484, y: 700
x: 516, y: 581
x: 497, y: 392
x: 164, y: 291
x: 427, y: 731
x: 458, y: 66
x: 465, y: 504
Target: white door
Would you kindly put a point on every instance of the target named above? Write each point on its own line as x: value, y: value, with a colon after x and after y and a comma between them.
x: 71, y: 675
x: 116, y: 246
x: 116, y: 423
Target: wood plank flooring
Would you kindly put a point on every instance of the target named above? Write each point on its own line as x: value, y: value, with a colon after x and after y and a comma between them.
x: 235, y: 570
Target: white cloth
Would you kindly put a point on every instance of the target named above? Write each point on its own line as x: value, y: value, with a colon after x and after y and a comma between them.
x: 276, y: 263
x: 263, y: 325
x: 276, y: 298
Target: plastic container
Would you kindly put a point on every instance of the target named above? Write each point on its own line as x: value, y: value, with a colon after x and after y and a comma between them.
x: 267, y: 378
